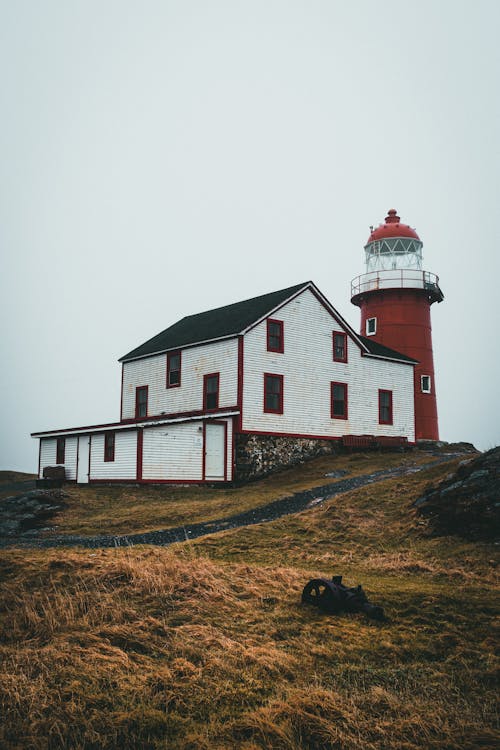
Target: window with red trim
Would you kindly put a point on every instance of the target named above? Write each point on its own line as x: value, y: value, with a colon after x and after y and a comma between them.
x: 385, y: 407
x: 109, y: 446
x: 273, y: 394
x: 211, y: 391
x: 60, y: 450
x: 275, y: 339
x: 339, y: 347
x: 339, y: 400
x: 141, y: 401
x: 173, y: 369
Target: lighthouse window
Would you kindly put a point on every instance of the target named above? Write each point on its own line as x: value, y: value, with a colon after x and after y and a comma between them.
x: 385, y: 407
x: 425, y: 383
x: 371, y: 326
x: 339, y: 347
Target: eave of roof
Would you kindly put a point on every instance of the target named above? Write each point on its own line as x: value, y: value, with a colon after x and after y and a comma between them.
x: 378, y: 350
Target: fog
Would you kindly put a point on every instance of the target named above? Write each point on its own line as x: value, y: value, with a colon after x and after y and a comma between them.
x: 163, y: 158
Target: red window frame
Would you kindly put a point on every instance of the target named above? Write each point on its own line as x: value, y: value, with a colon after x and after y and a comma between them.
x: 278, y: 344
x: 339, y: 356
x: 60, y: 450
x: 333, y: 385
x: 138, y: 403
x: 171, y: 371
x: 109, y: 446
x: 269, y: 391
x: 214, y: 403
x: 381, y: 406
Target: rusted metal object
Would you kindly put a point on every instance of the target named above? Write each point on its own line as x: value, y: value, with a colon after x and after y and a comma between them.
x: 332, y: 597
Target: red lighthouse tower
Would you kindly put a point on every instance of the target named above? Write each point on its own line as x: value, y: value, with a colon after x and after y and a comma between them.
x: 395, y: 296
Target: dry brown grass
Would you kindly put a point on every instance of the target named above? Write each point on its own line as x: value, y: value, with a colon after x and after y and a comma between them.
x: 128, y: 509
x: 205, y: 646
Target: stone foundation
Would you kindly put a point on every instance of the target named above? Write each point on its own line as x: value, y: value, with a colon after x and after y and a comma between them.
x: 260, y: 455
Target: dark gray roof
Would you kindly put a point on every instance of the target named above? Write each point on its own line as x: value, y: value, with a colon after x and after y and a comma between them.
x: 214, y: 324
x: 383, y: 351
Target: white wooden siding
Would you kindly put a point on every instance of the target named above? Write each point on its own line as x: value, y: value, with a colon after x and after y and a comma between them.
x: 173, y: 452
x: 221, y: 356
x: 48, y: 448
x: 47, y: 453
x: 308, y: 369
x: 125, y: 464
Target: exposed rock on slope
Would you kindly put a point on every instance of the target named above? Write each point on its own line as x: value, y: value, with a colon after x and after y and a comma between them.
x: 466, y: 503
x: 26, y: 514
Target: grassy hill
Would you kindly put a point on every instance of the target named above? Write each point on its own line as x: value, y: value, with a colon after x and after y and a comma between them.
x: 206, y: 646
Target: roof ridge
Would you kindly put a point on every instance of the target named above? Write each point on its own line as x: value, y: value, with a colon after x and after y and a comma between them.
x: 219, y: 322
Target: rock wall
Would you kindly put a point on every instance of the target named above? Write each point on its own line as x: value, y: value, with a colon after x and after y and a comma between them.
x: 260, y: 455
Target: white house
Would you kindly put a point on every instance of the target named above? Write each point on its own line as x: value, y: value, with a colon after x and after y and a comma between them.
x: 223, y: 394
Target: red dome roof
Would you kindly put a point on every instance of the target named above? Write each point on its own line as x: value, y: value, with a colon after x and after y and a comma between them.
x: 392, y: 228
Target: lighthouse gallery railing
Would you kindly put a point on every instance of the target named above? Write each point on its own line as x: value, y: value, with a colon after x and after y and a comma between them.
x: 394, y: 279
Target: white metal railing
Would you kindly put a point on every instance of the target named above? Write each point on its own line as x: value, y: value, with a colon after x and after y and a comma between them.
x: 394, y: 279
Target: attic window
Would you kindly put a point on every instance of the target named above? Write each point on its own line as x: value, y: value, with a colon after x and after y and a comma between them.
x: 371, y: 326
x: 339, y: 347
x: 275, y: 341
x: 425, y: 383
x: 173, y: 369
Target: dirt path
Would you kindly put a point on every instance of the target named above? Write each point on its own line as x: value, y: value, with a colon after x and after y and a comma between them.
x: 276, y: 509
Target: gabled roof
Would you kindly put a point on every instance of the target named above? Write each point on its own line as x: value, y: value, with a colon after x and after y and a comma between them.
x: 231, y: 320
x: 383, y: 351
x: 214, y: 324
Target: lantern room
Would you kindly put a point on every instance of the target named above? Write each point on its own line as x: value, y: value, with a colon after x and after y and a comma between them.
x: 393, y: 258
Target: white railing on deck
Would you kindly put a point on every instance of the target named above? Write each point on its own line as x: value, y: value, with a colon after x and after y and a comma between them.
x: 394, y: 279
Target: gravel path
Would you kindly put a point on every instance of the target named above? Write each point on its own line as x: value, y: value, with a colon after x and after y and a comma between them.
x: 276, y: 509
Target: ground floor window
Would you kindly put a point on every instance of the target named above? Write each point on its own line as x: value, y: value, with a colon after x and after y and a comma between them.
x: 385, y: 407
x: 273, y: 394
x: 109, y: 446
x: 60, y: 450
x: 339, y: 400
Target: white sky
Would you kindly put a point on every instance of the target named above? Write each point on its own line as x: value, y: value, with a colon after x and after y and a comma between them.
x: 162, y: 158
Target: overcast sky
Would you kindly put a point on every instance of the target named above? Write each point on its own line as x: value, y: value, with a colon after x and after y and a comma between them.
x: 158, y: 159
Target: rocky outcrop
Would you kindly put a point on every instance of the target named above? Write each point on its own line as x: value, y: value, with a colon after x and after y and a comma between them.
x: 28, y: 513
x: 260, y: 455
x: 467, y: 502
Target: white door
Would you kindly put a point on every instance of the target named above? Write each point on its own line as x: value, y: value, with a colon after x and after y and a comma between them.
x: 83, y: 459
x: 215, y: 440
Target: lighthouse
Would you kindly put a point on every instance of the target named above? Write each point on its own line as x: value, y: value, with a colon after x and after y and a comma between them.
x: 395, y: 296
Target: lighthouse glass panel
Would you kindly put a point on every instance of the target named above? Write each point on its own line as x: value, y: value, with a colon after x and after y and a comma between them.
x: 393, y: 253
